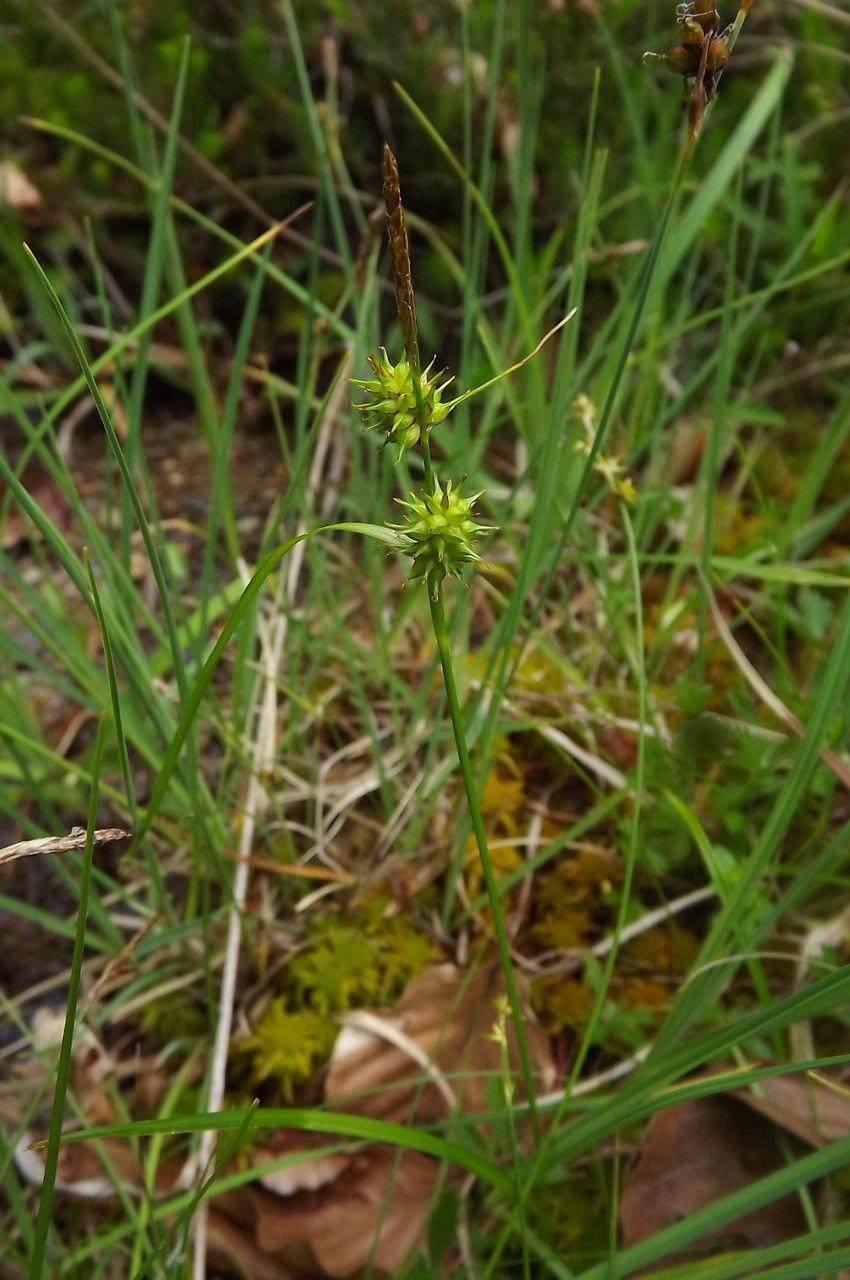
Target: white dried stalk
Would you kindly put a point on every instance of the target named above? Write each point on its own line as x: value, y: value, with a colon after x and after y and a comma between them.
x: 74, y: 840
x: 272, y: 640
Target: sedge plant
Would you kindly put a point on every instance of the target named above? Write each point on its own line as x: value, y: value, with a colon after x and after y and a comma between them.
x: 440, y: 533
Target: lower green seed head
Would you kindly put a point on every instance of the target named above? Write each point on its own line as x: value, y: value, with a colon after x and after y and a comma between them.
x: 440, y: 533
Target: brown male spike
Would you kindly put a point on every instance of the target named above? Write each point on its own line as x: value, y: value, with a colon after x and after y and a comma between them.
x: 400, y: 258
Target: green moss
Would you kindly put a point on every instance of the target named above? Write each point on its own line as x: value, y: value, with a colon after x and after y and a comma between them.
x: 338, y: 970
x: 339, y: 967
x: 347, y: 966
x: 286, y: 1047
x: 576, y: 1213
x: 173, y: 1018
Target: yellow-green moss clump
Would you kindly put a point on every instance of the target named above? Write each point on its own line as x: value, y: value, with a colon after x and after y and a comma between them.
x: 340, y: 967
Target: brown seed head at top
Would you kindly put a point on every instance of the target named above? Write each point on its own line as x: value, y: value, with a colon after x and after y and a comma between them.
x: 702, y: 56
x: 400, y: 258
x: 705, y: 13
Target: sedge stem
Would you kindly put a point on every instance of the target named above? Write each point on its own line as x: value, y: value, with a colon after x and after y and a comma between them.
x: 425, y: 446
x: 441, y: 634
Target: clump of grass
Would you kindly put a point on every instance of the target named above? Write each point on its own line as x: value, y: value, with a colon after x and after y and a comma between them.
x: 554, y: 524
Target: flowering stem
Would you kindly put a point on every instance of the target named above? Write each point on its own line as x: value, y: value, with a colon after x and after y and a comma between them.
x: 425, y: 446
x: 441, y: 634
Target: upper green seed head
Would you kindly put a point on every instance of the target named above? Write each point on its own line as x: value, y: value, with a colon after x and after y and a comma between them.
x: 392, y: 407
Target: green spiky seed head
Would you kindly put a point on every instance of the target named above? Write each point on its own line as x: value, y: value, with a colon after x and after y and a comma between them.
x: 392, y: 406
x: 440, y: 533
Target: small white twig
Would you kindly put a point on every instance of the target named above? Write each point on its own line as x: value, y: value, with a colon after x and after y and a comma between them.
x: 604, y: 771
x: 575, y: 959
x: 582, y: 1087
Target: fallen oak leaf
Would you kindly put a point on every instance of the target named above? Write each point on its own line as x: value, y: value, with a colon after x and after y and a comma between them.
x: 815, y: 1110
x: 309, y: 1174
x: 16, y: 526
x: 16, y: 189
x: 89, y: 1171
x: 231, y: 1245
x: 376, y: 1209
x: 695, y: 1153
x: 371, y: 1215
x: 428, y: 1056
x: 433, y: 1045
x: 343, y: 1211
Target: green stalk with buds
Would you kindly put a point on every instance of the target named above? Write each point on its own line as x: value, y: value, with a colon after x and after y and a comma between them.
x: 440, y: 534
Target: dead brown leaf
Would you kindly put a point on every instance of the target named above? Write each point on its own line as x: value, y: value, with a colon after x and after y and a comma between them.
x: 233, y: 1247
x: 306, y: 1175
x: 428, y: 1055
x: 695, y: 1153
x: 803, y: 1105
x: 44, y: 490
x: 16, y: 190
x: 375, y: 1210
x: 340, y: 1213
x: 432, y: 1050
